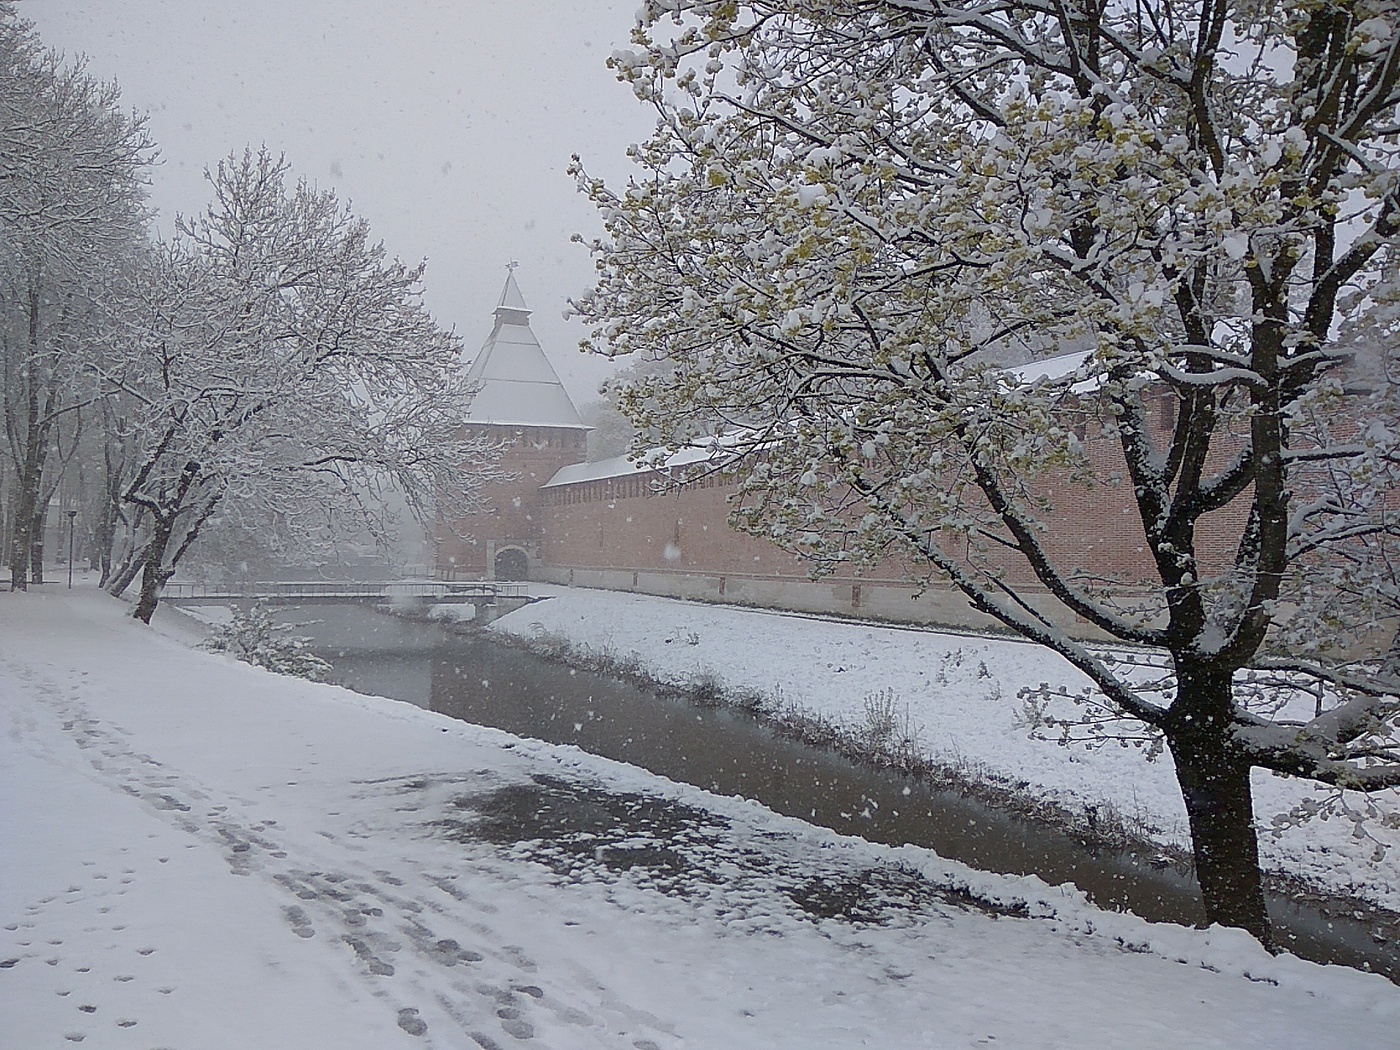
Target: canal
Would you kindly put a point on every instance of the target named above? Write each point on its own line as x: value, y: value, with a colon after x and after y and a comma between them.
x: 728, y: 751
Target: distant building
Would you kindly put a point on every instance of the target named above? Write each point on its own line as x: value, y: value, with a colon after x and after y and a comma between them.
x: 663, y: 529
x: 520, y: 401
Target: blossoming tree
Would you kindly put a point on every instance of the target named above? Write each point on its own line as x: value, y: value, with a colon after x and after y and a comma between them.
x: 855, y: 215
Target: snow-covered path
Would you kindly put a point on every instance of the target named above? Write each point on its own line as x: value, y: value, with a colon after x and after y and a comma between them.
x: 198, y: 854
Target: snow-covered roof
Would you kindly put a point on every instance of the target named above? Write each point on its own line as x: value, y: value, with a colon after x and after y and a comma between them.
x: 518, y: 385
x: 616, y: 467
x: 1054, y: 369
x: 511, y: 298
x: 622, y: 467
x: 1051, y: 368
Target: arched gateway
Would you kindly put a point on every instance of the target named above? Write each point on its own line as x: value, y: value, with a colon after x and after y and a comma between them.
x: 512, y: 564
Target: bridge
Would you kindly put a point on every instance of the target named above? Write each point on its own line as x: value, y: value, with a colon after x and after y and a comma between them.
x: 487, y: 596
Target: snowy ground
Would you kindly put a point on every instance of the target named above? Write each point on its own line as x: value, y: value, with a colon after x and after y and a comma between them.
x: 960, y: 695
x: 202, y: 855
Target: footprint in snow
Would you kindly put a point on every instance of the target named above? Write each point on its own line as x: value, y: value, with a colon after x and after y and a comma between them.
x: 300, y: 923
x: 411, y: 1023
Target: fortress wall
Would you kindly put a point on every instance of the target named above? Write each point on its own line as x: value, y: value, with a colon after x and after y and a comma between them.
x: 629, y: 533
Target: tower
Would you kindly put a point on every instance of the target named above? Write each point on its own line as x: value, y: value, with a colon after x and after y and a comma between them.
x: 521, y: 401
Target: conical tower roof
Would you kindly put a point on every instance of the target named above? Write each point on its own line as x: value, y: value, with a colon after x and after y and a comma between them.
x: 517, y: 384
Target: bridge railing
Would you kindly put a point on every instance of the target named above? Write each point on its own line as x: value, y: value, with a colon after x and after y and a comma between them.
x: 386, y: 590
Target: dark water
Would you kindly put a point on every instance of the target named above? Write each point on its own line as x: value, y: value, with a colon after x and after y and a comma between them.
x: 469, y: 677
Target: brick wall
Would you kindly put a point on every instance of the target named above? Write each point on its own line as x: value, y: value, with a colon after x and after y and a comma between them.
x: 533, y: 455
x: 633, y: 523
x: 631, y: 532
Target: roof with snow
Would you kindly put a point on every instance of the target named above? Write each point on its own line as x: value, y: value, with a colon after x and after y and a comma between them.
x: 658, y: 460
x: 1051, y: 368
x: 600, y: 470
x: 1056, y: 369
x: 517, y: 384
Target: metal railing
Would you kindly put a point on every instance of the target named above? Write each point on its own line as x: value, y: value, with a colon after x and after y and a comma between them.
x: 345, y: 590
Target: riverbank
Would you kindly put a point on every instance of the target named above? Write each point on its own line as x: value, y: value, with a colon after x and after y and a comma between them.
x: 952, y: 702
x: 208, y: 855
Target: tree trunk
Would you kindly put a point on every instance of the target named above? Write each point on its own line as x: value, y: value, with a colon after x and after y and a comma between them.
x: 113, y: 470
x: 154, y: 574
x: 104, y: 539
x: 29, y: 459
x: 1215, y: 785
x: 126, y: 572
x: 152, y: 580
x: 36, y: 544
x: 21, y: 538
x: 101, y: 559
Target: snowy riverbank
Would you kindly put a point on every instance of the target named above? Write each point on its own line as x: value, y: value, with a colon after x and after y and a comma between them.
x: 203, y: 855
x: 958, y: 695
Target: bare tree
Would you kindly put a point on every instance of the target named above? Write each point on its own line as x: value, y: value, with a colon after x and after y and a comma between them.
x: 71, y: 212
x: 853, y: 212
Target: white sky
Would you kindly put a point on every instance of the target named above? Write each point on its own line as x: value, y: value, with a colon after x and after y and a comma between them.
x: 446, y: 123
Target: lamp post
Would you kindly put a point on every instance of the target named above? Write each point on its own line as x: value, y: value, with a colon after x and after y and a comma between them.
x: 72, y: 516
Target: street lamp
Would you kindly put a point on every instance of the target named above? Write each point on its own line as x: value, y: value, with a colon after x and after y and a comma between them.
x: 72, y: 516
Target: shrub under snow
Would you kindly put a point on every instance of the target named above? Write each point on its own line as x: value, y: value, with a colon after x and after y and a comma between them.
x: 255, y: 638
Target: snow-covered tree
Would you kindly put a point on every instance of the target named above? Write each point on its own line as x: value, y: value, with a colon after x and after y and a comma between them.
x: 854, y: 214
x: 613, y: 432
x: 254, y: 637
x: 72, y: 190
x: 287, y: 374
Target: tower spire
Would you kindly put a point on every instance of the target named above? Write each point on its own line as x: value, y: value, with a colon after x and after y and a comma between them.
x: 510, y: 307
x: 517, y: 385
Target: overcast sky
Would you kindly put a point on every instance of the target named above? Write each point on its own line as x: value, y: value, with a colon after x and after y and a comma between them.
x: 447, y: 124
